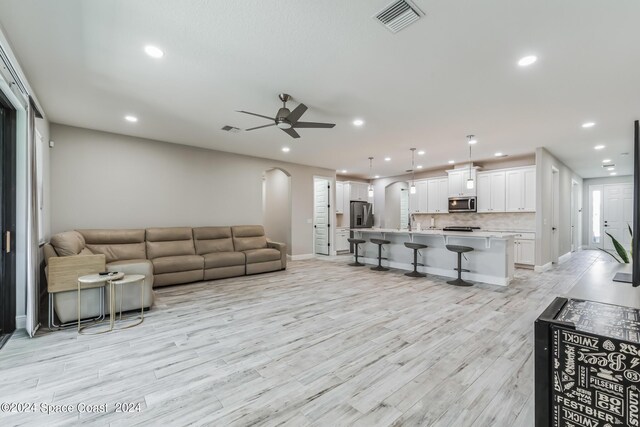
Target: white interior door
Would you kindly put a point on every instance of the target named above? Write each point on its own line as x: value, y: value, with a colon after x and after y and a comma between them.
x: 612, y: 217
x: 321, y: 217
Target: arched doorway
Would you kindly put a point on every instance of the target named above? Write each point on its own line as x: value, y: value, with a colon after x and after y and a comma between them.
x: 396, y: 205
x: 276, y: 205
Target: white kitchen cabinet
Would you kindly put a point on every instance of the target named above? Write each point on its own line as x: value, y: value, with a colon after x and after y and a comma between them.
x: 342, y: 242
x: 357, y: 191
x: 339, y: 197
x: 418, y: 201
x: 521, y: 190
x: 491, y: 191
x: 437, y: 195
x: 458, y: 182
x: 524, y: 247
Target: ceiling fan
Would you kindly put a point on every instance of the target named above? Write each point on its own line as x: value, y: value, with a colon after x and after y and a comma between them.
x: 288, y: 120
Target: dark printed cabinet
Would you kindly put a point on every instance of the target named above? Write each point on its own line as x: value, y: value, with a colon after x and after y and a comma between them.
x: 587, y: 361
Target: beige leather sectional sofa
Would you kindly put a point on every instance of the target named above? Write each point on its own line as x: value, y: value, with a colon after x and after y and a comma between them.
x: 166, y: 256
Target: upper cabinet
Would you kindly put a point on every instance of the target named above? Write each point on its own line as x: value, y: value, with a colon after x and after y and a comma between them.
x: 438, y: 195
x: 339, y: 197
x: 521, y: 190
x: 491, y: 191
x: 418, y: 201
x: 458, y: 182
x: 356, y: 191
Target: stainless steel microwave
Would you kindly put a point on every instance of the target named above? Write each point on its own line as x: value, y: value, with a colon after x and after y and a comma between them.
x: 462, y: 204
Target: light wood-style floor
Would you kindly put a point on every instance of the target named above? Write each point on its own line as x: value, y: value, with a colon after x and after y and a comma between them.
x: 319, y: 344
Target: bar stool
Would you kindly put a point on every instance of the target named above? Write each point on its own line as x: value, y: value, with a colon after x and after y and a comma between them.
x: 356, y: 242
x: 460, y: 250
x: 416, y: 247
x: 380, y: 242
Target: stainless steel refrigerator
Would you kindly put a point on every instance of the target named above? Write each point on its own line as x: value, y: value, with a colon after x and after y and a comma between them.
x: 361, y: 215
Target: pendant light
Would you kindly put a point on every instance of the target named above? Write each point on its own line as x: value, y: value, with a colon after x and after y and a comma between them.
x: 412, y: 189
x: 370, y: 192
x: 470, y: 183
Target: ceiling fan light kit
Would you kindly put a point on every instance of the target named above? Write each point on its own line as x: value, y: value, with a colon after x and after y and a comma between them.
x: 288, y: 120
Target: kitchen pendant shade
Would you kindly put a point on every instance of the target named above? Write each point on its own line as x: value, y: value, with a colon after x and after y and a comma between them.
x: 470, y: 184
x: 412, y: 190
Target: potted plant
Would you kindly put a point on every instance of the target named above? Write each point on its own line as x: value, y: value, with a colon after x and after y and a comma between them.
x: 622, y: 252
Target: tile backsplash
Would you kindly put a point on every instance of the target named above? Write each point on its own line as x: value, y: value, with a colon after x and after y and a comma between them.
x: 488, y: 221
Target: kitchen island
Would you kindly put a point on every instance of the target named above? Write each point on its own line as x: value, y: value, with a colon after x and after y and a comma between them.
x: 490, y: 262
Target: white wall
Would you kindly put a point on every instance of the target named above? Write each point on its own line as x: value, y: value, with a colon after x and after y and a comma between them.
x: 545, y: 162
x: 105, y: 180
x: 277, y: 207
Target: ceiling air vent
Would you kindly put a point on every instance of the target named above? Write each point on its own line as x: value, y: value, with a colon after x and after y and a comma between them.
x: 399, y: 15
x: 231, y: 129
x: 609, y: 165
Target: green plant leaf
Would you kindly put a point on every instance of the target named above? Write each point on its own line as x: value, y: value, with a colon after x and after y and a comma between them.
x: 630, y: 230
x: 610, y: 254
x: 622, y: 252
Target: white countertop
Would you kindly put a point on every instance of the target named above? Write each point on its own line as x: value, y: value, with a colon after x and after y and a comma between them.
x: 439, y: 232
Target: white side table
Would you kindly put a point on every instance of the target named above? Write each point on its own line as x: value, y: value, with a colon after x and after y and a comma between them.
x: 129, y: 279
x: 97, y: 281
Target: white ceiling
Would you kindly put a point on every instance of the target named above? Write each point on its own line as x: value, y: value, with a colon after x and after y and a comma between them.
x: 452, y: 73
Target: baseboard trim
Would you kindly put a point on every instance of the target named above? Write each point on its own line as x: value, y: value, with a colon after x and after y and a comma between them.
x: 542, y: 268
x: 564, y: 258
x: 492, y: 280
x: 300, y: 257
x: 21, y: 322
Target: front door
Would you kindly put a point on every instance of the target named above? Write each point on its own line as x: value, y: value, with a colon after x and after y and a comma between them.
x: 321, y: 223
x: 7, y: 218
x: 617, y: 214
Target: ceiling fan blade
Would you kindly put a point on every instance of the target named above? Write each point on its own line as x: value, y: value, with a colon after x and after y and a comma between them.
x: 297, y: 112
x: 260, y: 127
x: 313, y: 125
x: 292, y: 133
x: 254, y: 114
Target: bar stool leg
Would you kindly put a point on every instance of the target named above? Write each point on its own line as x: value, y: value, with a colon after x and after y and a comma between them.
x: 356, y: 263
x: 379, y: 267
x: 415, y: 273
x: 459, y: 281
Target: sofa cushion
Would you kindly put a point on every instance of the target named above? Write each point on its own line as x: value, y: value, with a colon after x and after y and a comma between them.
x: 212, y: 239
x: 173, y: 264
x: 68, y: 243
x: 247, y: 237
x: 223, y: 259
x: 169, y: 241
x: 262, y: 255
x: 116, y: 244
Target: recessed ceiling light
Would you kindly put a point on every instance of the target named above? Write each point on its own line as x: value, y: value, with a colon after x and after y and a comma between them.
x: 343, y: 171
x: 451, y: 162
x: 387, y: 159
x: 598, y: 147
x: 606, y: 161
x: 498, y: 154
x: 611, y: 169
x: 588, y: 125
x: 286, y: 149
x: 358, y: 122
x: 613, y: 173
x: 154, y: 52
x: 421, y: 153
x: 377, y: 176
x: 419, y: 167
x: 131, y: 119
x: 473, y: 141
x: 527, y: 60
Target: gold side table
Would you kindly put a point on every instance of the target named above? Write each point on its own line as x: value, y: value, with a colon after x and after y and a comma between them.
x: 128, y: 279
x: 97, y: 281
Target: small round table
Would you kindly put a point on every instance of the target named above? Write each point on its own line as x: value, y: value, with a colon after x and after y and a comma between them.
x: 91, y: 281
x: 128, y: 280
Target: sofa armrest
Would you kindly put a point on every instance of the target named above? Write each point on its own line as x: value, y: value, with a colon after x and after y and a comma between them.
x: 283, y: 251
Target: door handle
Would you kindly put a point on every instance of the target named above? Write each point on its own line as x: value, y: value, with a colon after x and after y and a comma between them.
x: 7, y: 241
x: 553, y: 229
